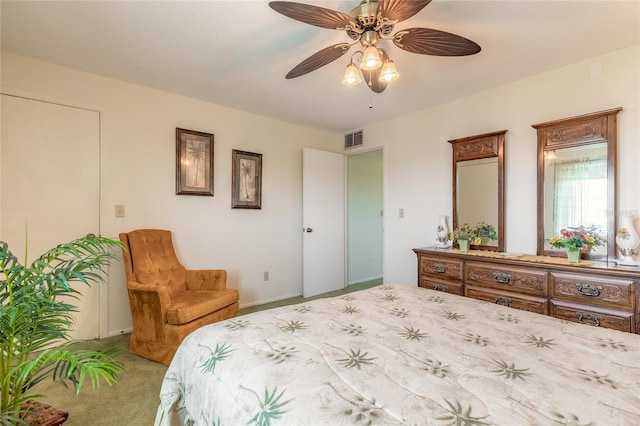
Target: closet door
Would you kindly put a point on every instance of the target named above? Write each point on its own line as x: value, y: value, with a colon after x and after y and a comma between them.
x: 49, y: 185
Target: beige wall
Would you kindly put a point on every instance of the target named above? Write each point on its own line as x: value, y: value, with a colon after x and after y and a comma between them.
x: 418, y: 158
x: 138, y: 170
x: 138, y: 143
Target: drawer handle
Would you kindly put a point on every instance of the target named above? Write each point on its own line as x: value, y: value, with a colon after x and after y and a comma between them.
x: 440, y: 287
x: 501, y: 277
x: 440, y: 268
x: 587, y: 318
x: 589, y: 290
x: 505, y: 301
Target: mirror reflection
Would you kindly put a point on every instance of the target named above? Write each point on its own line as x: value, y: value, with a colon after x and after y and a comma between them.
x: 478, y: 187
x: 575, y: 191
x: 478, y: 193
x: 577, y: 180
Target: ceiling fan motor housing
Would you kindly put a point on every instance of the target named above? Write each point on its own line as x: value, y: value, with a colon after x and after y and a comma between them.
x: 366, y: 16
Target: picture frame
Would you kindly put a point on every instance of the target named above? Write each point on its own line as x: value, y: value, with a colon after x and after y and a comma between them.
x: 246, y: 186
x: 194, y: 163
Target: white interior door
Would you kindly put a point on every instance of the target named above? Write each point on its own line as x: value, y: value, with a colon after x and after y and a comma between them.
x: 323, y: 207
x: 49, y: 185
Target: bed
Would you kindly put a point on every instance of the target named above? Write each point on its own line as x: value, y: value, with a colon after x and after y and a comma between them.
x: 402, y: 355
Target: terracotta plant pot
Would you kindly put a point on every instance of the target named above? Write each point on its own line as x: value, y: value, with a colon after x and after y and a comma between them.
x: 44, y: 415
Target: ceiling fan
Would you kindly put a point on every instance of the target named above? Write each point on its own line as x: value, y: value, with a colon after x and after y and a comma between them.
x: 367, y: 24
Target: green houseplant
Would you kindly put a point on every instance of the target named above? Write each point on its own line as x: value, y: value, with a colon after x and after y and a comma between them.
x: 35, y: 323
x: 484, y: 232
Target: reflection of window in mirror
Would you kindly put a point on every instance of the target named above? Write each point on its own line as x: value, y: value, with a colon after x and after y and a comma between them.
x: 576, y: 188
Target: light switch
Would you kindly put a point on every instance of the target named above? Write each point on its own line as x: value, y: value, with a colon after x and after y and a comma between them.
x: 119, y: 210
x: 401, y: 213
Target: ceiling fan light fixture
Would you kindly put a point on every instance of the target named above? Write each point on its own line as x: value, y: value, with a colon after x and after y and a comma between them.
x: 371, y: 59
x: 351, y: 75
x: 367, y: 25
x: 389, y: 73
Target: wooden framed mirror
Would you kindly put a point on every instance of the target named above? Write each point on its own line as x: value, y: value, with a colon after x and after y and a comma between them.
x: 577, y: 159
x: 478, y: 184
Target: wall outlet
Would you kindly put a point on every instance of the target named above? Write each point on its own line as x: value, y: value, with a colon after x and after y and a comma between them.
x: 266, y: 275
x: 119, y: 210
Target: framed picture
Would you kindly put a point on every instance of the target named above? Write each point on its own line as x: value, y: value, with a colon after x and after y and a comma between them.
x: 194, y: 163
x: 246, y: 180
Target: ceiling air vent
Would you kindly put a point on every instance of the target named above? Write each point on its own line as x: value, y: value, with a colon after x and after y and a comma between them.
x: 354, y: 139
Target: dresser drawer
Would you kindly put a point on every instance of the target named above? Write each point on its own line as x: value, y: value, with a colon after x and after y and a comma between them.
x: 616, y: 293
x: 502, y: 277
x: 433, y: 283
x: 439, y: 267
x: 598, y: 317
x: 517, y: 301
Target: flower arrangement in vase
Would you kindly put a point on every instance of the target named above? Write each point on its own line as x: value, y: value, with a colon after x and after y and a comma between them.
x: 463, y: 235
x: 576, y: 239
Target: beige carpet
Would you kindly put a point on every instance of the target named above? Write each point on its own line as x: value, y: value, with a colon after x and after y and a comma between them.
x: 134, y: 399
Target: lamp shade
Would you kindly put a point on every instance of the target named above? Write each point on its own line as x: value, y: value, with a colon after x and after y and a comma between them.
x: 351, y: 75
x: 389, y: 72
x: 371, y: 59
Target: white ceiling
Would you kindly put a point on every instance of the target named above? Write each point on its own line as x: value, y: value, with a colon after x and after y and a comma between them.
x: 236, y: 53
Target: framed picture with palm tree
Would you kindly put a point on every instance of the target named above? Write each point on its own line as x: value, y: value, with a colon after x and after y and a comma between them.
x: 246, y: 180
x: 194, y: 163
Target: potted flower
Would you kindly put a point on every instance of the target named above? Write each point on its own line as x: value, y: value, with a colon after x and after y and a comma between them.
x: 485, y: 232
x: 463, y: 235
x: 576, y: 239
x: 36, y: 302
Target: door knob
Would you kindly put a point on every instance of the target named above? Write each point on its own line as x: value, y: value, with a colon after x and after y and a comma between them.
x: 308, y: 230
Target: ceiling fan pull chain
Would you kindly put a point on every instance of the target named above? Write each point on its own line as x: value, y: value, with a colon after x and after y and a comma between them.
x: 370, y: 101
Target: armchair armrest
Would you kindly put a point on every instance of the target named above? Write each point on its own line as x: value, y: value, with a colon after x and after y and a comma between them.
x: 149, y: 305
x: 206, y: 279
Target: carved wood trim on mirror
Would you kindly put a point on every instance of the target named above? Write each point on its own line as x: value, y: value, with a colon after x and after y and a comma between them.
x: 563, y: 146
x: 478, y: 183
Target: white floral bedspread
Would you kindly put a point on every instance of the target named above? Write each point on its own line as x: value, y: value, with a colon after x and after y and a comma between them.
x: 402, y: 355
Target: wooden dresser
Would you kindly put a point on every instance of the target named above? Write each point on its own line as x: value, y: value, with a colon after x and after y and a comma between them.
x: 593, y: 293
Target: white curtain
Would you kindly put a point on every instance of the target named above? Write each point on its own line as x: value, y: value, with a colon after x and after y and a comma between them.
x: 580, y: 191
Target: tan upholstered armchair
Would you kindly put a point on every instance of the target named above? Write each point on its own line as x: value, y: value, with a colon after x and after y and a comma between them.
x: 168, y: 301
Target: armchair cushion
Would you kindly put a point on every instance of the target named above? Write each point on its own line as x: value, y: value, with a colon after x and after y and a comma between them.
x: 194, y: 304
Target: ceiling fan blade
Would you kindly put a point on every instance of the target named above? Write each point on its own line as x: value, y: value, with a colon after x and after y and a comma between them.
x: 314, y: 15
x: 434, y: 42
x: 371, y: 77
x: 399, y: 10
x: 319, y: 59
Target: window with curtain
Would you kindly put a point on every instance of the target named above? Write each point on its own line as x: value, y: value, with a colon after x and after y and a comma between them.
x: 580, y: 189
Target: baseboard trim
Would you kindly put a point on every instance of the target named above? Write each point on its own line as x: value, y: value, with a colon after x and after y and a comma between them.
x: 365, y: 280
x: 120, y: 332
x: 263, y: 302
